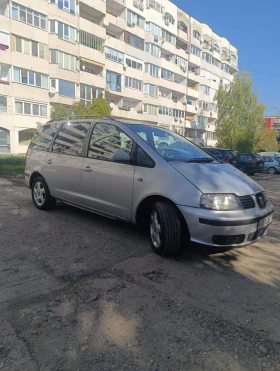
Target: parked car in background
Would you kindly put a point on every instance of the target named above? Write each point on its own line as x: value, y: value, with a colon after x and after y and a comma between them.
x: 272, y: 164
x: 270, y: 154
x: 224, y: 155
x: 250, y: 163
x: 122, y: 170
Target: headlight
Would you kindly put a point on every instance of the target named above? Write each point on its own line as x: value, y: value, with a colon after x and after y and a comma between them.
x: 220, y: 201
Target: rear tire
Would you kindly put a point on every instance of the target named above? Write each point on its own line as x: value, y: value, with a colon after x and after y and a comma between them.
x: 272, y: 170
x: 165, y: 228
x: 41, y: 196
x: 251, y: 173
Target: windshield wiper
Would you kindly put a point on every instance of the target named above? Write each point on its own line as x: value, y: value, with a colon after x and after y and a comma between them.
x: 200, y: 160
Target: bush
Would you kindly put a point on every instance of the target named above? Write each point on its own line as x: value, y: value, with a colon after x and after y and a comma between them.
x: 12, y: 160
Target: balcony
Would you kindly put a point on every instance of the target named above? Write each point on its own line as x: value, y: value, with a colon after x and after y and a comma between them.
x: 92, y: 73
x: 99, y: 5
x: 92, y: 54
x: 118, y: 22
x: 115, y: 43
x: 191, y: 109
x: 92, y: 28
x: 194, y: 75
x: 116, y: 4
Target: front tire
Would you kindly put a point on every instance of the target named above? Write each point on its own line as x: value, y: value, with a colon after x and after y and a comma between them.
x: 272, y: 170
x: 41, y: 196
x: 165, y: 228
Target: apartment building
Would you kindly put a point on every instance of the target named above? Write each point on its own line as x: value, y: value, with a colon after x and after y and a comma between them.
x: 152, y: 61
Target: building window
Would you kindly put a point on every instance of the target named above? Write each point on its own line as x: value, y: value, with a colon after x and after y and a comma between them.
x: 4, y: 40
x: 211, y: 135
x: 167, y: 75
x: 29, y: 16
x: 135, y: 18
x: 114, y: 55
x: 179, y: 61
x: 63, y: 30
x: 216, y: 48
x: 133, y: 63
x: 153, y: 49
x: 150, y: 89
x: 202, y: 120
x: 86, y: 95
x: 205, y: 89
x: 30, y: 47
x: 169, y: 18
x: 133, y: 40
x: 155, y: 5
x: 31, y: 108
x: 133, y: 83
x: 216, y: 62
x: 233, y: 58
x: 91, y: 41
x: 70, y: 138
x: 150, y: 109
x: 195, y: 51
x: 178, y: 113
x: 113, y: 81
x: 4, y: 72
x: 196, y: 35
x: 66, y: 88
x: 152, y: 69
x: 64, y: 60
x: 207, y: 57
x: 166, y: 111
x: 67, y: 5
x: 32, y: 78
x: 3, y: 103
x: 182, y: 27
x: 169, y: 37
x: 225, y: 67
x: 153, y: 28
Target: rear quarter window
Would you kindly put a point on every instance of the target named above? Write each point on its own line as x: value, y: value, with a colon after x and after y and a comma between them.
x: 43, y: 137
x: 245, y: 157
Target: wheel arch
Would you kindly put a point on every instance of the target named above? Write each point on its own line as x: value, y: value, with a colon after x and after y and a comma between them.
x: 144, y: 208
x: 34, y: 176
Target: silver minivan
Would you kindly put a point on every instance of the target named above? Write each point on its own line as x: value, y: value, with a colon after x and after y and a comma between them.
x: 148, y: 176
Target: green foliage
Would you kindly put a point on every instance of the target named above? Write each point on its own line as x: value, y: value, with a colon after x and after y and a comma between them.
x: 12, y: 160
x: 240, y: 115
x: 99, y: 106
x: 266, y: 141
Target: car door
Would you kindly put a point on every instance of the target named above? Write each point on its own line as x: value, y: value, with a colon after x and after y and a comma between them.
x: 63, y: 164
x: 107, y: 186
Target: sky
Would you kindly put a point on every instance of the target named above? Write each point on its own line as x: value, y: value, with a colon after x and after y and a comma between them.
x: 252, y: 26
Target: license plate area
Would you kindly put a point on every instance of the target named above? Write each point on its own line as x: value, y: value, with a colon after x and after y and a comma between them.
x: 265, y: 222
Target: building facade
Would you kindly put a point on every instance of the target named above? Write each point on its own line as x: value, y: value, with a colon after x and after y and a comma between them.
x: 152, y: 61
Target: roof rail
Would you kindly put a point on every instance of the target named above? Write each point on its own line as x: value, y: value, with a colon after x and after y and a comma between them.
x: 76, y: 117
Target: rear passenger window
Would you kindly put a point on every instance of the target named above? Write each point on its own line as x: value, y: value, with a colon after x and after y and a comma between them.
x: 70, y: 138
x: 107, y: 139
x: 42, y: 138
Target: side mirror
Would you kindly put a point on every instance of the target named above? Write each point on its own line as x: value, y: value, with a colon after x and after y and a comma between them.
x: 120, y: 156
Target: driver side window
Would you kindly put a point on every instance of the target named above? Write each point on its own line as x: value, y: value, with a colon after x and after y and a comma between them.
x: 107, y: 139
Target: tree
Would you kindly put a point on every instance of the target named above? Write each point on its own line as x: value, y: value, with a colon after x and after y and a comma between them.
x: 98, y: 107
x: 240, y: 115
x: 266, y: 141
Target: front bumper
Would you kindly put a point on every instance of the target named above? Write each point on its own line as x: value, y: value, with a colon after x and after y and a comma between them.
x: 205, y: 224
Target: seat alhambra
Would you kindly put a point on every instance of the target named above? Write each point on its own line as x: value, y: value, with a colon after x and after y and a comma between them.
x: 146, y: 175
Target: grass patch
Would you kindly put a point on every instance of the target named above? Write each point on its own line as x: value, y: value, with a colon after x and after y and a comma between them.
x: 12, y: 164
x: 9, y: 169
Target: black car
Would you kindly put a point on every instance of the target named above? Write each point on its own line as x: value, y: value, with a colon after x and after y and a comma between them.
x: 224, y: 155
x: 250, y: 163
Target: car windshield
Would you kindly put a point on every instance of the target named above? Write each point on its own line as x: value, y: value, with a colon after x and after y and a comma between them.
x: 171, y: 146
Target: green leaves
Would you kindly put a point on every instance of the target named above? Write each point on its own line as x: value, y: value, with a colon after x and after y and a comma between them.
x: 99, y: 106
x: 266, y: 141
x: 240, y: 115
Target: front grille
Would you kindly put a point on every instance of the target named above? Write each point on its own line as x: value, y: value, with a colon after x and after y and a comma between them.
x: 228, y: 240
x: 247, y: 202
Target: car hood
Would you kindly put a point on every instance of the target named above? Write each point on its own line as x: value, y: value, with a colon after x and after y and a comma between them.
x: 217, y: 178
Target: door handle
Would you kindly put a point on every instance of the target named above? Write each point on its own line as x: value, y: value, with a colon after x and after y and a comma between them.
x: 49, y: 162
x: 87, y: 168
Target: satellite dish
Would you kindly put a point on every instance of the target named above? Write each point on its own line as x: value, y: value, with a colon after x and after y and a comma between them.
x: 125, y: 66
x: 52, y: 90
x: 106, y: 22
x: 112, y: 105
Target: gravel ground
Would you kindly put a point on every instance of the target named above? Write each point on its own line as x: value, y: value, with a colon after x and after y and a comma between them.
x: 81, y: 292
